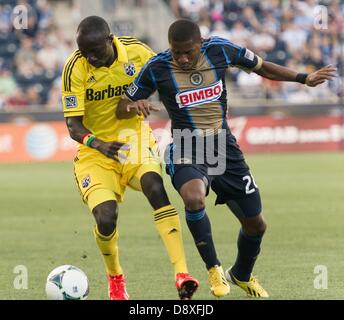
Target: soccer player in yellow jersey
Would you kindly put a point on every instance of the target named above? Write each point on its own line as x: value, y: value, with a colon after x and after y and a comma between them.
x: 93, y: 81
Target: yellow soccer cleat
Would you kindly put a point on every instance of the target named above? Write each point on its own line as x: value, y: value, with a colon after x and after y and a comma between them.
x: 251, y: 287
x: 218, y: 284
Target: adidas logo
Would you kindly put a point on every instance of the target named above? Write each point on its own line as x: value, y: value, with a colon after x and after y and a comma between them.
x: 91, y: 79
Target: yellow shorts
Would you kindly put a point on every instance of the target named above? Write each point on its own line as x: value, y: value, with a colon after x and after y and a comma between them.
x: 101, y: 179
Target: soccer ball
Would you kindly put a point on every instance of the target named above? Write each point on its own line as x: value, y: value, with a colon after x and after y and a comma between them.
x: 67, y: 283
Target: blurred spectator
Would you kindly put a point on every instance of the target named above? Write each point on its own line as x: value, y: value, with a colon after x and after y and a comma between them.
x: 249, y: 84
x: 26, y: 52
x: 294, y: 37
x: 189, y: 8
x: 54, y: 98
x: 220, y: 30
x: 7, y: 86
x: 17, y: 100
x: 46, y: 15
x: 5, y: 18
x: 239, y: 34
x: 31, y: 59
x: 33, y: 95
x: 204, y: 23
x: 48, y: 55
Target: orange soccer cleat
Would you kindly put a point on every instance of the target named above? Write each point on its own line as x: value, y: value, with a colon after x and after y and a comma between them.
x: 186, y: 285
x: 117, y: 289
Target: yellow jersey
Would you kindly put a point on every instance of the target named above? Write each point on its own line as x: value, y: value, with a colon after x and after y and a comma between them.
x: 94, y: 93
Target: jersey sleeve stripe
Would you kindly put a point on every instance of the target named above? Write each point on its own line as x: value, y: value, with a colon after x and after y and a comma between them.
x: 68, y: 74
x: 218, y: 41
x: 228, y: 60
x: 126, y: 38
x: 67, y: 68
x: 128, y: 43
x: 131, y: 42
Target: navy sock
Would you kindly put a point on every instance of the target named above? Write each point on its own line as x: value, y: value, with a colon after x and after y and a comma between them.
x: 248, y: 250
x: 200, y: 228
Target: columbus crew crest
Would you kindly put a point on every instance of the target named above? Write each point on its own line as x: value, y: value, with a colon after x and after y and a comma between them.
x: 196, y: 78
x: 129, y: 68
x: 85, y: 182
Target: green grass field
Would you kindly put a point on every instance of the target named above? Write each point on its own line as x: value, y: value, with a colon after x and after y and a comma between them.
x: 44, y: 224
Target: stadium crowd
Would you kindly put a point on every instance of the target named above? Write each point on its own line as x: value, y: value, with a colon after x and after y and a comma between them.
x: 281, y: 31
x: 31, y: 59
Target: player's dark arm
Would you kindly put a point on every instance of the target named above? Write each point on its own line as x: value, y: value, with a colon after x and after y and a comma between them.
x: 77, y: 132
x: 280, y: 73
x: 127, y: 109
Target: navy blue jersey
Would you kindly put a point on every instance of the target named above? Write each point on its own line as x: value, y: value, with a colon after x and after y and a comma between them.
x: 197, y: 98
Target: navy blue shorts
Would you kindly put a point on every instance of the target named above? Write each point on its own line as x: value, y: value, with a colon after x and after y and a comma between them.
x: 236, y: 187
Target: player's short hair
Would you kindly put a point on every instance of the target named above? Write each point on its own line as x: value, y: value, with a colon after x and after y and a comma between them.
x: 94, y: 24
x: 183, y: 30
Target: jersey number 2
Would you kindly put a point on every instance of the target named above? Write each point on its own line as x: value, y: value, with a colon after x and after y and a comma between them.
x: 249, y: 180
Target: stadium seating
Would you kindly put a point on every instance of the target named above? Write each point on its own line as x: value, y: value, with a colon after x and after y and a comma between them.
x: 280, y: 31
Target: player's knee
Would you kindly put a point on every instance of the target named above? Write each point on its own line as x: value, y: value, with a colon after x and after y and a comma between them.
x: 106, y: 214
x: 153, y: 188
x: 257, y: 228
x: 194, y: 200
x: 260, y: 228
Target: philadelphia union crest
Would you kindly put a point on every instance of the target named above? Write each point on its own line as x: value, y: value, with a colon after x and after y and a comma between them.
x: 196, y: 78
x: 129, y: 68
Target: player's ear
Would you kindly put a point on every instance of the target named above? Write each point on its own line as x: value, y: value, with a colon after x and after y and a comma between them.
x: 111, y: 37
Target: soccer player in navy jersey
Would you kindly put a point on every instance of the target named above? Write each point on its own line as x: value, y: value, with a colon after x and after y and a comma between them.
x: 190, y: 79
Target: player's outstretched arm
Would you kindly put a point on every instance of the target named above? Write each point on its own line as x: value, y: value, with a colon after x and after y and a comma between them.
x: 127, y: 109
x: 79, y: 133
x: 280, y: 73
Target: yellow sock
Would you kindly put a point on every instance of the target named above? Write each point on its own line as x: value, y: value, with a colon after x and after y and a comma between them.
x: 167, y: 222
x: 109, y: 249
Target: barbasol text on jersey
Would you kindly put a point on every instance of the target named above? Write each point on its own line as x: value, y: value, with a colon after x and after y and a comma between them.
x: 199, y: 96
x: 109, y: 92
